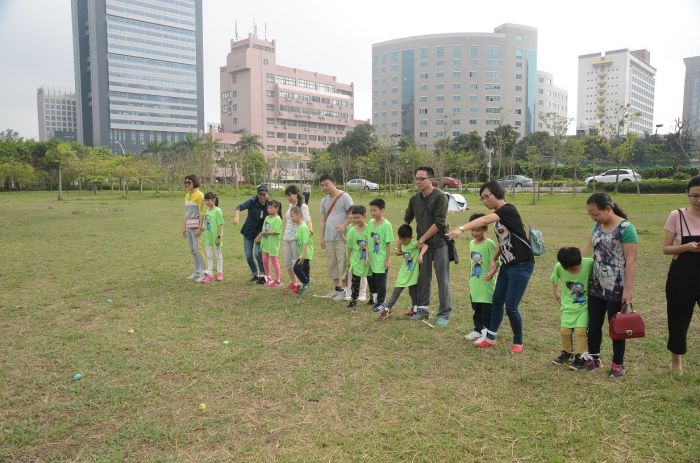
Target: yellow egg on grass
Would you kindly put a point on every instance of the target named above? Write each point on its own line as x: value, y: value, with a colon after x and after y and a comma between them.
x: 202, y: 406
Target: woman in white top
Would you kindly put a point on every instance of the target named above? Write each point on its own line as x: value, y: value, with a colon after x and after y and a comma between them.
x: 291, y: 252
x: 682, y: 241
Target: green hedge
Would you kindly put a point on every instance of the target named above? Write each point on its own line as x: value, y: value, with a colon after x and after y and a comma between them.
x: 662, y: 185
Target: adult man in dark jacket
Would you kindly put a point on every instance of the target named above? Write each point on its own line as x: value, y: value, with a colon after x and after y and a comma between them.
x: 257, y: 211
x: 429, y: 207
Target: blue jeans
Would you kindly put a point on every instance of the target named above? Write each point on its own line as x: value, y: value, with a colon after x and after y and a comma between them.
x: 250, y: 247
x: 510, y: 287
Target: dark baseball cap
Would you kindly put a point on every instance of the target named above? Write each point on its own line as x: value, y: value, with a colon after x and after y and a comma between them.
x: 262, y: 188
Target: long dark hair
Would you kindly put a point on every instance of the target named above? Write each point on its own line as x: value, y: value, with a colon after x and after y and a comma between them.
x: 212, y: 195
x: 603, y: 200
x: 294, y: 190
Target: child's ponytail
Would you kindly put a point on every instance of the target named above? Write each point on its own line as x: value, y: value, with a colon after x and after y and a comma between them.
x: 212, y: 195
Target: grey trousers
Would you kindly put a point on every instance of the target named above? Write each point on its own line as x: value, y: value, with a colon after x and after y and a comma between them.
x: 440, y: 260
x: 397, y: 293
x: 194, y: 243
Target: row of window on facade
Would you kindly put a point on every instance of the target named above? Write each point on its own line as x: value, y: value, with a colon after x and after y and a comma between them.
x: 441, y: 63
x: 301, y: 136
x: 469, y: 50
x: 305, y: 124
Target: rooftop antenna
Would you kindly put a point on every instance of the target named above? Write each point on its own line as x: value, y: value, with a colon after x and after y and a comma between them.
x: 255, y: 29
x: 266, y: 31
x: 235, y: 34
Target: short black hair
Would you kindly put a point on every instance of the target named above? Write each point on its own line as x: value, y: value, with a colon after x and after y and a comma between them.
x: 405, y: 231
x: 428, y: 170
x: 193, y: 179
x: 478, y: 215
x: 695, y: 181
x: 325, y: 177
x: 494, y: 187
x: 569, y: 257
x: 358, y: 209
x: 295, y: 210
x: 378, y: 202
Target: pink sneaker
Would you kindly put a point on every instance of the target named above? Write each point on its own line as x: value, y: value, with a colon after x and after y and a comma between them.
x: 207, y: 279
x: 276, y: 283
x: 219, y: 276
x: 269, y: 283
x: 290, y: 286
x: 516, y: 348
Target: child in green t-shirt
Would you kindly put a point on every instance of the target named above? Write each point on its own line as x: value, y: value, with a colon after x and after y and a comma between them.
x: 483, y: 254
x: 382, y: 235
x: 412, y: 258
x: 570, y: 287
x: 213, y: 232
x: 357, y: 248
x: 269, y: 239
x: 302, y: 235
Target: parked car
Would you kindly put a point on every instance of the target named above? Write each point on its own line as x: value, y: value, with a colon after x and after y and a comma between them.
x: 625, y: 175
x: 361, y: 184
x: 275, y: 186
x: 449, y: 182
x: 515, y: 180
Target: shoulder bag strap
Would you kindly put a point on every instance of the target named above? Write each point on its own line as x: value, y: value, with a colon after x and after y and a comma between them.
x: 681, y: 219
x: 330, y: 209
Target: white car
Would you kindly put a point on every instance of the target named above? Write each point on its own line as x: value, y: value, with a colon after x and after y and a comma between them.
x: 625, y: 175
x: 361, y: 184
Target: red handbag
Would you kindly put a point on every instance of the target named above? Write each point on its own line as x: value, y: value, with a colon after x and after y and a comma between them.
x: 626, y: 325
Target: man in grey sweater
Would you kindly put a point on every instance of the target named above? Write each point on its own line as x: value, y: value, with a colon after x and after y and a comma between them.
x: 429, y: 207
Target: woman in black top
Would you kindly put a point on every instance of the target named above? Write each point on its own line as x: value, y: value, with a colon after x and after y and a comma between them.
x: 516, y: 258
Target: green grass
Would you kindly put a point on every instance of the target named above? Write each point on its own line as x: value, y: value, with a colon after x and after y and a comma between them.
x: 303, y: 379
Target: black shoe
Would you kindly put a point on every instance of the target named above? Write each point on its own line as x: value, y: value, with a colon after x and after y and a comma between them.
x: 565, y: 357
x: 254, y: 279
x: 578, y: 362
x: 352, y: 305
x: 260, y: 281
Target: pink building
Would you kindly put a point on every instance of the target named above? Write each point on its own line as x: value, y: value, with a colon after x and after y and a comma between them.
x: 292, y: 110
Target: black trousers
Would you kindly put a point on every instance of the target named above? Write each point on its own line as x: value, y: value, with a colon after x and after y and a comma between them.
x: 377, y: 284
x: 303, y: 271
x: 681, y: 297
x: 597, y: 309
x: 482, y: 313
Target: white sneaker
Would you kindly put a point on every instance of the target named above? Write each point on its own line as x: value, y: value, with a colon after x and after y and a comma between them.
x: 201, y: 278
x: 363, y: 297
x: 474, y: 335
x: 481, y: 339
x: 338, y: 295
x: 194, y: 276
x: 331, y: 294
x: 346, y: 297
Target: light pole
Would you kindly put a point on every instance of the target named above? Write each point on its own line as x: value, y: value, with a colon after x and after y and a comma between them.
x: 656, y: 139
x: 120, y: 146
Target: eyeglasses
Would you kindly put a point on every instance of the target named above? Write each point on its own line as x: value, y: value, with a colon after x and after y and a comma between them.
x: 486, y: 196
x: 420, y: 179
x: 694, y: 197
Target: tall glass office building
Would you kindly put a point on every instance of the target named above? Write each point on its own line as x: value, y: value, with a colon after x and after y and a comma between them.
x: 138, y: 71
x: 435, y: 86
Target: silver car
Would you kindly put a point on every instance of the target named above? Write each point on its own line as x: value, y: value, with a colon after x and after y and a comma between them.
x: 361, y: 184
x: 517, y: 181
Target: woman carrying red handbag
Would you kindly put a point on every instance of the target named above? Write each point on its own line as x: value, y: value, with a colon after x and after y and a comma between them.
x: 682, y: 241
x: 614, y: 244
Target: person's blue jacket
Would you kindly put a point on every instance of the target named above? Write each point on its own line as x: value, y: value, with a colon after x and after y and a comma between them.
x: 256, y: 216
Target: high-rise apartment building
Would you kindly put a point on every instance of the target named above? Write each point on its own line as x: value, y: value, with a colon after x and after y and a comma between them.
x: 291, y: 109
x: 617, y: 77
x: 550, y: 99
x: 432, y: 86
x: 691, y: 97
x: 138, y: 71
x: 56, y: 109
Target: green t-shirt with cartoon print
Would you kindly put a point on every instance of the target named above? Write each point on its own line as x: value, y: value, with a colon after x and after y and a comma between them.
x: 358, y: 243
x: 381, y: 235
x: 271, y: 243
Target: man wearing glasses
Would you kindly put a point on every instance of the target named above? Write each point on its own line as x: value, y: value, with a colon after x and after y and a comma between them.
x: 429, y: 207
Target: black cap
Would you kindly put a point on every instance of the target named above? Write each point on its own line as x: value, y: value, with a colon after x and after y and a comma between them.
x: 262, y: 188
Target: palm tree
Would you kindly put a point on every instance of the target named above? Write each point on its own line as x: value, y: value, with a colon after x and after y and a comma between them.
x: 248, y: 143
x: 189, y: 143
x: 208, y: 144
x: 154, y: 148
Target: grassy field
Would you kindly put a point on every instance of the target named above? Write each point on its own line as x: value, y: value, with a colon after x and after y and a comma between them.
x: 302, y: 379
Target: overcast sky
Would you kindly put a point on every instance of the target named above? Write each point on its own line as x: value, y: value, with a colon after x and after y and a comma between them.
x: 336, y: 38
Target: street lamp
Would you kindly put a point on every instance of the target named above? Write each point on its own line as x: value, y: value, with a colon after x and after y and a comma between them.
x: 120, y: 146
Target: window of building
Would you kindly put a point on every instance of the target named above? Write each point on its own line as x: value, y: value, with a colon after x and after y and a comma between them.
x: 440, y: 75
x: 518, y: 37
x: 456, y: 62
x: 492, y: 50
x: 270, y: 78
x: 456, y: 86
x: 439, y: 51
x: 473, y: 109
x: 423, y: 111
x: 439, y: 110
x: 473, y: 50
x: 474, y: 62
x: 440, y: 98
x: 423, y: 99
x: 439, y: 63
x: 492, y: 74
x: 422, y: 134
x: 423, y: 52
x: 493, y: 98
x: 456, y: 50
x: 519, y: 76
x: 456, y: 74
x: 518, y: 52
x: 424, y: 87
x: 269, y: 107
x: 518, y: 88
x: 440, y: 87
x: 456, y: 98
x: 472, y: 121
x: 423, y: 122
x: 472, y: 97
x: 456, y: 121
x: 423, y: 75
x: 473, y: 74
x: 455, y: 110
x: 270, y: 93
